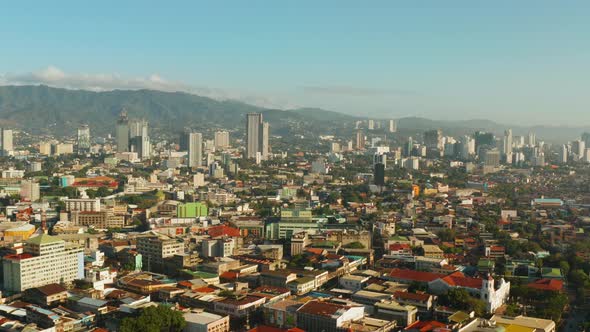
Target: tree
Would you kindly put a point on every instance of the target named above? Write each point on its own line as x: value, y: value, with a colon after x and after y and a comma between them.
x: 155, y: 319
x: 354, y: 245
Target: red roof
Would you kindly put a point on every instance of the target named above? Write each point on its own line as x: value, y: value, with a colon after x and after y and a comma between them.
x: 399, y: 246
x: 315, y: 251
x: 223, y: 230
x: 229, y: 275
x: 553, y: 285
x: 204, y: 290
x: 458, y: 279
x: 413, y: 275
x: 411, y: 296
x: 425, y: 326
x: 321, y: 308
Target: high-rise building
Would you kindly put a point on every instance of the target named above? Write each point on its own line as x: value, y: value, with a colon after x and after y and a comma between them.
x: 257, y: 136
x: 195, y: 149
x: 492, y: 158
x: 359, y: 140
x: 139, y: 139
x: 45, y: 148
x: 45, y: 260
x: 507, y: 143
x: 408, y: 147
x: 532, y: 139
x: 30, y: 190
x: 380, y: 158
x: 371, y: 124
x: 379, y: 174
x: 6, y: 147
x: 221, y: 139
x: 578, y: 149
x: 392, y: 126
x: 586, y: 139
x: 433, y: 139
x: 122, y: 132
x: 483, y: 139
x: 563, y: 154
x: 83, y: 141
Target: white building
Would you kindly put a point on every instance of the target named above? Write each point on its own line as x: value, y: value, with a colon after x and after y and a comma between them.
x: 46, y: 259
x: 205, y: 322
x: 484, y: 288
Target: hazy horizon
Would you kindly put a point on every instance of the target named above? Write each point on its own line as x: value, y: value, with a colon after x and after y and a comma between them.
x: 520, y: 64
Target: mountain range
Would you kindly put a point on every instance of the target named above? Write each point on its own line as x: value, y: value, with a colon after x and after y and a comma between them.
x: 59, y: 111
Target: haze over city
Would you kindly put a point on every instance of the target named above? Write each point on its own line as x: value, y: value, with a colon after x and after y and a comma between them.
x: 517, y: 63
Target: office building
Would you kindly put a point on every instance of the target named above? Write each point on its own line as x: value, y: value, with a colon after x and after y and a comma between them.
x: 392, y: 126
x: 195, y: 149
x: 257, y: 136
x: 103, y: 219
x: 433, y: 139
x: 45, y: 260
x: 6, y: 147
x: 379, y: 174
x: 122, y: 132
x: 578, y: 149
x: 221, y: 139
x: 139, y: 139
x: 507, y: 144
x: 83, y: 141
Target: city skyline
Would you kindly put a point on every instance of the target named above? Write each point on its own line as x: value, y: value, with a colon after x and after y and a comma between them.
x: 511, y: 63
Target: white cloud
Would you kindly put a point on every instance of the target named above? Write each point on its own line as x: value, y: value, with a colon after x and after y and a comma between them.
x: 55, y: 77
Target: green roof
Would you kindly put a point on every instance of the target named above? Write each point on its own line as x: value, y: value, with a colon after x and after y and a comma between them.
x: 43, y: 239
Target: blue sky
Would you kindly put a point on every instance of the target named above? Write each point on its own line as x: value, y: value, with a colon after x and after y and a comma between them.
x: 526, y: 62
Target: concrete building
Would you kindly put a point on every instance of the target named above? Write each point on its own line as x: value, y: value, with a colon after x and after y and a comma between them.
x: 29, y: 190
x: 83, y: 139
x: 6, y: 146
x: 195, y: 149
x: 82, y: 204
x: 98, y: 219
x: 122, y: 132
x: 205, y: 322
x: 154, y: 249
x: 221, y: 139
x: 222, y: 247
x: 257, y: 136
x: 327, y: 316
x: 45, y: 260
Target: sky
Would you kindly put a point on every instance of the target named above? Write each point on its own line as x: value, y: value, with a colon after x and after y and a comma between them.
x: 522, y: 62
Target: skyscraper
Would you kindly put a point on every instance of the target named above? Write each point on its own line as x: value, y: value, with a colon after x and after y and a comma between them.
x: 507, y: 143
x: 83, y: 138
x: 371, y: 124
x: 6, y: 142
x: 532, y: 140
x: 379, y: 174
x: 359, y: 140
x: 139, y: 139
x: 122, y: 132
x: 433, y: 139
x: 221, y: 139
x: 392, y: 126
x: 586, y: 139
x: 195, y: 149
x: 257, y: 135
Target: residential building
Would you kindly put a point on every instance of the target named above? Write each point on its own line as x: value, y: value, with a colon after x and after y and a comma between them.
x: 82, y: 204
x: 326, y: 316
x: 221, y: 139
x: 6, y: 146
x: 30, y: 190
x: 239, y: 307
